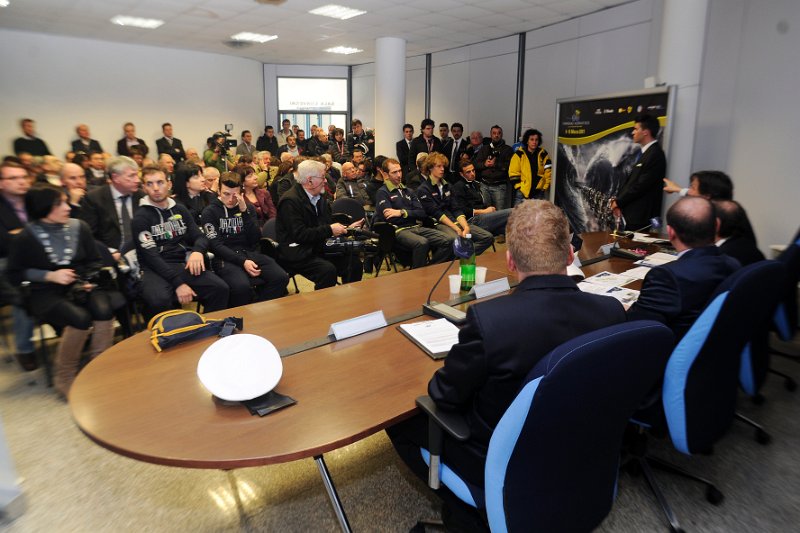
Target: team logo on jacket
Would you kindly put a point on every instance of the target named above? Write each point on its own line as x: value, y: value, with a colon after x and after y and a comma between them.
x: 231, y: 226
x: 146, y: 240
x: 173, y: 227
x: 210, y: 231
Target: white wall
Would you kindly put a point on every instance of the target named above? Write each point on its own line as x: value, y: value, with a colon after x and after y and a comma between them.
x: 63, y: 81
x: 363, y: 83
x: 748, y: 109
x: 604, y: 52
x: 271, y: 74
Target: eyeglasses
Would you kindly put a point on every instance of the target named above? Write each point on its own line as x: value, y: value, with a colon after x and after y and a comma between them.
x: 316, y: 177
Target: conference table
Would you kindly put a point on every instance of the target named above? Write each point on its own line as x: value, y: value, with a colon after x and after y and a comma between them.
x: 152, y: 407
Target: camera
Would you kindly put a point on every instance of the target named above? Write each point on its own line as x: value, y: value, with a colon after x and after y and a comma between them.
x: 102, y: 278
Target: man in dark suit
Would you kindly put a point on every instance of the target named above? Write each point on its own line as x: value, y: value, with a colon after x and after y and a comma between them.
x: 453, y: 147
x: 425, y: 142
x: 169, y: 144
x: 734, y: 233
x: 102, y: 207
x: 677, y: 292
x: 640, y: 197
x: 130, y: 139
x: 84, y: 142
x: 403, y: 146
x: 503, y: 340
x: 304, y: 223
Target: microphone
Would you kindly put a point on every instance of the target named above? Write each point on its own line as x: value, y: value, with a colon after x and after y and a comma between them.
x: 462, y: 249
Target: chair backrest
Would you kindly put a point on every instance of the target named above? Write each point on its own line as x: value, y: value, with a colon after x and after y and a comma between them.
x: 348, y: 206
x: 386, y: 236
x: 270, y: 230
x: 700, y: 381
x: 553, y: 458
x: 786, y: 315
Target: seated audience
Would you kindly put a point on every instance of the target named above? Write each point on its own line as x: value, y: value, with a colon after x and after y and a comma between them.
x: 96, y: 173
x: 189, y: 190
x: 733, y: 233
x: 397, y: 205
x: 469, y: 200
x: 350, y: 186
x: 59, y: 257
x: 73, y: 183
x: 502, y: 341
x: 211, y: 177
x: 677, y: 292
x: 231, y: 226
x: 259, y: 198
x: 171, y: 251
x: 292, y: 147
x: 437, y: 201
x: 304, y: 224
x: 84, y: 143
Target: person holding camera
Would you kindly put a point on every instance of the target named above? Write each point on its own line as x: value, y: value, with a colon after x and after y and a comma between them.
x: 216, y: 154
x: 492, y: 165
x: 58, y: 256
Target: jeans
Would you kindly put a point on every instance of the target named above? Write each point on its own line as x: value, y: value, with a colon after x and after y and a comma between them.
x: 494, y: 195
x: 494, y: 223
x: 23, y: 330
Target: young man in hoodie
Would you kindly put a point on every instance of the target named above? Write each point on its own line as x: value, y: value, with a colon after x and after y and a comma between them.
x: 171, y: 250
x: 231, y: 227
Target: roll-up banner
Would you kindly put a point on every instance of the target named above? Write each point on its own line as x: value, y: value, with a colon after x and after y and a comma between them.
x: 595, y: 151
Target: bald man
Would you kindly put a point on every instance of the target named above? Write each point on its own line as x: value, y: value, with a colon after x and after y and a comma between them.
x: 84, y: 143
x: 350, y: 185
x: 73, y: 180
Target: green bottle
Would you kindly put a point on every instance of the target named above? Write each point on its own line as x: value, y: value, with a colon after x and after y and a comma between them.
x: 467, y: 269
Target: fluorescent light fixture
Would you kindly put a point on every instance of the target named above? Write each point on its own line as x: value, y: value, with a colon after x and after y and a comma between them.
x: 3, y: 3
x: 346, y: 50
x: 253, y: 37
x: 337, y: 12
x: 150, y: 24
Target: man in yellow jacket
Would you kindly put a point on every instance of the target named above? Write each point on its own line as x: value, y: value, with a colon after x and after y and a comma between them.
x: 530, y: 169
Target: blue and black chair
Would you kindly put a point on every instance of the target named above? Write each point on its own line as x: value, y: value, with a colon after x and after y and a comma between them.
x: 269, y: 247
x: 698, y: 401
x: 553, y: 459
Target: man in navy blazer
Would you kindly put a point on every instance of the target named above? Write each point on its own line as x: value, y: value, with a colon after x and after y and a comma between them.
x: 676, y: 293
x: 641, y: 195
x: 503, y: 340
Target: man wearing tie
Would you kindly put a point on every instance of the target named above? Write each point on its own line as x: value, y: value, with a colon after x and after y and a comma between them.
x: 304, y: 223
x: 109, y: 209
x: 169, y: 144
x: 640, y: 197
x: 453, y: 147
x: 426, y: 142
x: 404, y: 146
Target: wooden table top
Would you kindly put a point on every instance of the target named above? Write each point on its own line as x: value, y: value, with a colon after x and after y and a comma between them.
x: 152, y: 407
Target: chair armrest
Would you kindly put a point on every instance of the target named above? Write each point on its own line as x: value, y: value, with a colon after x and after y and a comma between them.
x: 268, y: 247
x: 454, y: 424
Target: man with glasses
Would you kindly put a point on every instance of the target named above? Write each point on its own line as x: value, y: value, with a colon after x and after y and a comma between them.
x: 304, y: 224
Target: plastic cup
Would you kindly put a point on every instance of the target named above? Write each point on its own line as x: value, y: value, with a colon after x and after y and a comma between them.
x: 480, y: 275
x: 455, y: 283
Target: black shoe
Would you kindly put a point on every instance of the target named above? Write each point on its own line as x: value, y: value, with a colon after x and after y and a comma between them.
x: 27, y: 361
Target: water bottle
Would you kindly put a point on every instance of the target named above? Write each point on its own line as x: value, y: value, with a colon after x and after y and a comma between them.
x: 468, y: 269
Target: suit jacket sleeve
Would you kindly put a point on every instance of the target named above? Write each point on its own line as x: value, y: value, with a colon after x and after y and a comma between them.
x: 464, y: 372
x: 659, y: 299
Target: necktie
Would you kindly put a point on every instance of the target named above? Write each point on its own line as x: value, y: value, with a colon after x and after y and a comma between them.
x: 453, y: 156
x: 125, y: 217
x: 430, y: 145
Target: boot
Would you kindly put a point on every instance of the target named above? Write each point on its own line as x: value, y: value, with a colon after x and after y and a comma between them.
x: 68, y: 358
x: 102, y: 337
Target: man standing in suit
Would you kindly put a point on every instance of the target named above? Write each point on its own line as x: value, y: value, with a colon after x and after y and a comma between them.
x: 453, y: 147
x: 109, y: 209
x: 484, y: 370
x: 640, y: 197
x: 403, y: 146
x: 84, y: 143
x: 676, y: 293
x: 169, y: 144
x: 130, y: 139
x: 29, y: 143
x: 246, y: 147
x: 304, y: 223
x: 426, y: 142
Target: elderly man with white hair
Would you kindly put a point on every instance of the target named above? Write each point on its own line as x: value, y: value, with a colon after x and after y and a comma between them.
x: 304, y: 224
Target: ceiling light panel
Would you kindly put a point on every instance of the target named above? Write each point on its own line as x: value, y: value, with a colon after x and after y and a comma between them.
x: 136, y: 22
x: 337, y: 12
x: 253, y: 37
x: 345, y: 50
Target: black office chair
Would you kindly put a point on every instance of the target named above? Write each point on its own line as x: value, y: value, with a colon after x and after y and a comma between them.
x: 269, y: 247
x: 386, y: 240
x: 349, y: 207
x: 698, y: 400
x: 786, y: 315
x: 553, y: 458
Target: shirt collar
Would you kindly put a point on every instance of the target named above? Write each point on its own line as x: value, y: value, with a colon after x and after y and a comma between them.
x: 648, y: 145
x: 391, y: 186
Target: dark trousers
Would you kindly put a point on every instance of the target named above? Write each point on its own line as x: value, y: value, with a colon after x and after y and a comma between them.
x: 159, y: 295
x: 419, y: 240
x: 323, y: 271
x: 99, y: 305
x: 269, y: 285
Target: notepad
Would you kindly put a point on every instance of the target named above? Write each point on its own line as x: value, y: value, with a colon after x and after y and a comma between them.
x: 435, y: 337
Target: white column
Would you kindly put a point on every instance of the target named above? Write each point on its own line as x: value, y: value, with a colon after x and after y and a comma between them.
x: 680, y: 62
x: 390, y: 93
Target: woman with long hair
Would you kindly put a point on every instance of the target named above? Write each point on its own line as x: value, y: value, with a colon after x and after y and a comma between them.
x: 189, y: 188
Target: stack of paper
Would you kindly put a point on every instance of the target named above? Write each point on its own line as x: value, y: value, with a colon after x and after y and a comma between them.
x: 656, y: 259
x: 608, y: 284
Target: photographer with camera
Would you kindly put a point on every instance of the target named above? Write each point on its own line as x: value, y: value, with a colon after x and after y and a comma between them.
x: 216, y: 155
x: 492, y: 165
x: 68, y: 289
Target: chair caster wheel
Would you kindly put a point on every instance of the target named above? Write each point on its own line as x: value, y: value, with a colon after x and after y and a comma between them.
x: 762, y: 437
x: 790, y: 384
x: 713, y: 495
x: 758, y: 399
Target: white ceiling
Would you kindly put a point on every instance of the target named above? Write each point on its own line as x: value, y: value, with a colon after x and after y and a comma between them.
x: 203, y: 25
